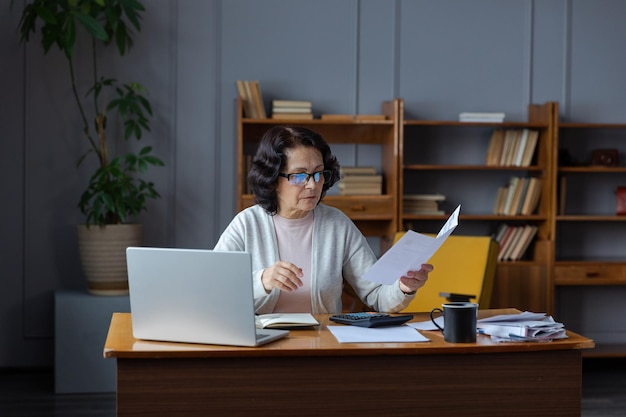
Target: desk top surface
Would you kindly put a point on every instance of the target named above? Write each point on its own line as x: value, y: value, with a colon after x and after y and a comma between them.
x: 318, y: 341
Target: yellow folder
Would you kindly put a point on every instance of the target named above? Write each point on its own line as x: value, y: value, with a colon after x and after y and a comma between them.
x: 462, y: 265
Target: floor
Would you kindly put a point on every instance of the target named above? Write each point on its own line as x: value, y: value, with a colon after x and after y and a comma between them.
x: 31, y: 394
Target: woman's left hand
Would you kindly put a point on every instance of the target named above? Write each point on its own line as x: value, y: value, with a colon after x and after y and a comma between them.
x: 414, y: 280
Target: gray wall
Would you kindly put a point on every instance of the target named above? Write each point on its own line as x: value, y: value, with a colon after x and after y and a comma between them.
x: 442, y: 57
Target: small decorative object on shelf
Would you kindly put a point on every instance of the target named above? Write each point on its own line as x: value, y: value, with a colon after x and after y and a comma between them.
x: 620, y: 199
x: 605, y: 157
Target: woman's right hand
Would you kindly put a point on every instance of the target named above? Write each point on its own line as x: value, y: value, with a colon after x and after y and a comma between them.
x: 282, y: 275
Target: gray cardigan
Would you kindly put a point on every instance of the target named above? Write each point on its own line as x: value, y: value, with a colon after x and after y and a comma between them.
x: 339, y: 250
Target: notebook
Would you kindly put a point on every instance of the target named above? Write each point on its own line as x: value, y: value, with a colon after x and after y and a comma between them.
x: 194, y: 296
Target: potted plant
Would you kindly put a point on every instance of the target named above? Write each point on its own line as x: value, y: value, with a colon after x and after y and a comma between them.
x: 116, y: 192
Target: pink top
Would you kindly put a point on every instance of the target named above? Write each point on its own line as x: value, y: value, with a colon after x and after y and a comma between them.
x: 294, y: 238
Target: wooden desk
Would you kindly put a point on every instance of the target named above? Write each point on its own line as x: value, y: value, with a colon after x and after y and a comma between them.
x: 311, y: 374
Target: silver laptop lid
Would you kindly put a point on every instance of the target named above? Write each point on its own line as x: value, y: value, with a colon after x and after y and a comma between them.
x: 192, y: 295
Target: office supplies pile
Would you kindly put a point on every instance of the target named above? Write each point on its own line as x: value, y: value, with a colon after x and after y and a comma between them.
x: 522, y: 327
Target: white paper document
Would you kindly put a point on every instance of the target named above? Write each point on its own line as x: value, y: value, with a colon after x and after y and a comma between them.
x: 410, y: 252
x: 389, y: 334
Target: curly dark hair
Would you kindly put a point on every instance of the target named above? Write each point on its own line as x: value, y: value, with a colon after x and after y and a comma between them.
x: 271, y: 158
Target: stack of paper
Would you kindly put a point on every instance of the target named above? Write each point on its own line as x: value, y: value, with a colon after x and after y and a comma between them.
x: 523, y: 327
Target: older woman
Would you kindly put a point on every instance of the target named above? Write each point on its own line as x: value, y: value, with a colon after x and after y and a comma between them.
x: 303, y: 250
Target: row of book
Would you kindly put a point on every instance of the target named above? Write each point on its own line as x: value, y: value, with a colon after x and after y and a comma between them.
x: 514, y: 241
x: 512, y: 147
x: 423, y: 203
x: 519, y: 196
x: 251, y: 98
x: 360, y: 181
x: 292, y: 109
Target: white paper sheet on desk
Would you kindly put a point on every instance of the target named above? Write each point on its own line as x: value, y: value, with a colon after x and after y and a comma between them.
x: 410, y: 252
x: 427, y: 325
x: 390, y: 334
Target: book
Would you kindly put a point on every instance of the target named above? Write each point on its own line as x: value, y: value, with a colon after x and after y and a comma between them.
x: 528, y: 233
x: 292, y: 103
x: 498, y: 204
x: 285, y: 320
x: 520, y: 147
x: 506, y: 241
x: 363, y: 170
x: 250, y: 98
x: 529, y: 149
x: 507, y: 146
x: 518, y: 199
x: 496, y: 117
x: 511, y: 188
x: 510, y: 243
x: 432, y: 197
x: 257, y: 100
x: 360, y: 190
x: 281, y: 109
x: 495, y: 148
x: 292, y: 116
x: 531, y: 199
x: 245, y: 99
x: 361, y: 179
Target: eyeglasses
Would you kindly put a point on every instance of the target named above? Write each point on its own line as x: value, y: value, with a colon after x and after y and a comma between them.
x: 301, y: 178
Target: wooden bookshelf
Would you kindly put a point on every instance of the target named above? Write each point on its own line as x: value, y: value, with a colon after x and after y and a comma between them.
x: 449, y: 157
x: 374, y: 215
x: 587, y: 254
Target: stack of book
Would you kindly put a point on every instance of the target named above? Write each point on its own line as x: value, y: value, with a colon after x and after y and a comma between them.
x: 292, y: 109
x: 512, y: 147
x: 488, y: 117
x: 252, y: 100
x: 514, y: 241
x: 519, y: 196
x: 360, y: 180
x: 422, y: 203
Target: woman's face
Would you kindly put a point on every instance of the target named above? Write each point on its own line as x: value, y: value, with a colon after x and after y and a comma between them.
x: 295, y: 201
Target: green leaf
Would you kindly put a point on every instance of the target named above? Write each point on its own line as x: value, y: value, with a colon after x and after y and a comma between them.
x: 93, y: 26
x: 45, y: 14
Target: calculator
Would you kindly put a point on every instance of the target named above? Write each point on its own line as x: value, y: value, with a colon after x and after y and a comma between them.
x: 366, y: 319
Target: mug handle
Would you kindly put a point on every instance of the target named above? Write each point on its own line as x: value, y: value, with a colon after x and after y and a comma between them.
x: 433, y: 319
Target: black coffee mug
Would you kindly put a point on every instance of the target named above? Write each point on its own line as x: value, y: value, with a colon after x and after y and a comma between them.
x: 459, y: 321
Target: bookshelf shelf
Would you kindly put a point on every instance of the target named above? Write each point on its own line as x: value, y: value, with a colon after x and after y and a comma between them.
x: 477, y: 217
x: 453, y: 123
x: 593, y: 170
x: 428, y: 167
x: 590, y: 218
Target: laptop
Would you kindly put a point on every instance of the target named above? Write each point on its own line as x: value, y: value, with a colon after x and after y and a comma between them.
x: 194, y: 296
